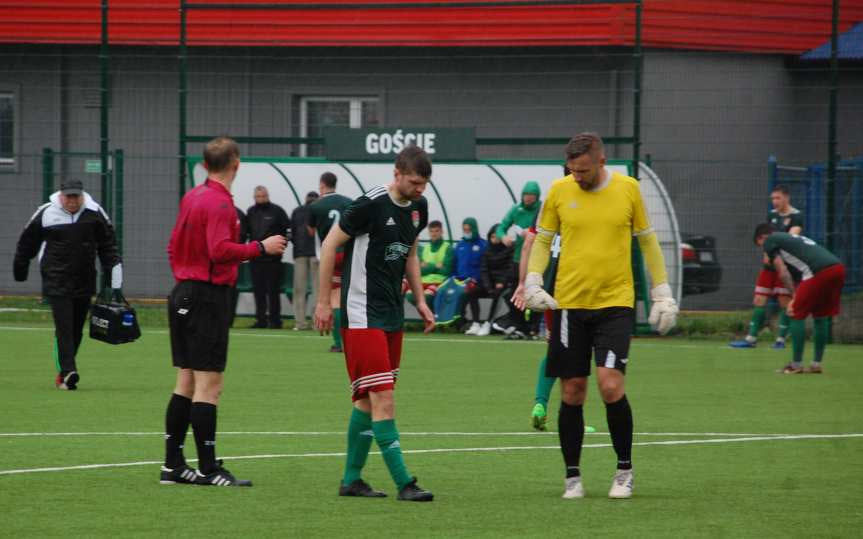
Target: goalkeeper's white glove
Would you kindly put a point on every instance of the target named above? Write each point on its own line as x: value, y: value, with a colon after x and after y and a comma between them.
x: 535, y: 298
x: 663, y: 312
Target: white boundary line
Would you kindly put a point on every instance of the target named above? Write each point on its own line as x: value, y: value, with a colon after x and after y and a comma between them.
x: 286, y: 335
x: 452, y: 450
x: 444, y: 433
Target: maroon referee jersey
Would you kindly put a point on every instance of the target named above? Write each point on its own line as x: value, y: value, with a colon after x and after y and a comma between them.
x: 203, y: 245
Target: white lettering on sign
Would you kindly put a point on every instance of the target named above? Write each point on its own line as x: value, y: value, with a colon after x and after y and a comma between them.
x: 386, y: 143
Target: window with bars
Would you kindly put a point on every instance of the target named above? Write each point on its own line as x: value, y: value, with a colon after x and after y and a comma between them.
x: 7, y: 128
x: 319, y: 112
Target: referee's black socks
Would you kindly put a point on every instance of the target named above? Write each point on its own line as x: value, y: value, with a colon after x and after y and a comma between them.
x: 619, y: 416
x: 176, y: 426
x: 204, y: 427
x: 570, y: 430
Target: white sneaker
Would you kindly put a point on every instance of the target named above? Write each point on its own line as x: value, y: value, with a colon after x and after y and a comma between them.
x: 484, y: 329
x: 574, y: 488
x: 621, y: 485
x: 473, y: 329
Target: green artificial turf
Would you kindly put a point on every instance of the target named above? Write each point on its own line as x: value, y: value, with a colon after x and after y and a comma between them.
x: 286, y: 405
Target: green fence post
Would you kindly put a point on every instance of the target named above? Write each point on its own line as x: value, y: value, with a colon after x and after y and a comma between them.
x: 103, y: 111
x: 638, y: 58
x: 182, y: 95
x: 119, y: 192
x: 47, y: 173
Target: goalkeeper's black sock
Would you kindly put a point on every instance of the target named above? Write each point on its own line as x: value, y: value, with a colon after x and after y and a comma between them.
x: 570, y: 430
x: 204, y: 426
x: 619, y: 416
x: 176, y: 426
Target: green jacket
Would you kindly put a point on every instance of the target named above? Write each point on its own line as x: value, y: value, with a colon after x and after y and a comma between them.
x: 435, y: 261
x: 522, y: 216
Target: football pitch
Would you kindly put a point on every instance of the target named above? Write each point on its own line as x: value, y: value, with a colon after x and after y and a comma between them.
x: 724, y: 447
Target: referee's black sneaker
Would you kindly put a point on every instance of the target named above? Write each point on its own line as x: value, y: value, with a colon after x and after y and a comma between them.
x: 220, y: 477
x: 414, y: 493
x: 361, y: 489
x: 181, y: 474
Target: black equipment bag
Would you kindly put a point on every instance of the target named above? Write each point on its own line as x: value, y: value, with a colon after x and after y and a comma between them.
x: 112, y: 319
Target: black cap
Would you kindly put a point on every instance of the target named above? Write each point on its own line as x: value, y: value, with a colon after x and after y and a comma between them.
x: 72, y: 187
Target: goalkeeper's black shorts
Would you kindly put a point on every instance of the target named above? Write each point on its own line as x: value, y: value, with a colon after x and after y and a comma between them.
x: 578, y: 334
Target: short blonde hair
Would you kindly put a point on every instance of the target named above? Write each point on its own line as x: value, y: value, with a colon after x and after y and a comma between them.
x: 219, y: 153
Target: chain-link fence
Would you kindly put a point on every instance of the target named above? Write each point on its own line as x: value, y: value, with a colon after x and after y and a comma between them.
x: 705, y: 116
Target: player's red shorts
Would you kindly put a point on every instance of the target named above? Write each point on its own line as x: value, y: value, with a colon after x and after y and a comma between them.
x: 337, y: 271
x: 372, y: 357
x: 820, y: 295
x: 769, y: 284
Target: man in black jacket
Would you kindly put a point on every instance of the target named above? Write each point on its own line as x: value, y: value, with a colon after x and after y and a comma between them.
x: 67, y: 233
x: 266, y: 219
x: 305, y: 261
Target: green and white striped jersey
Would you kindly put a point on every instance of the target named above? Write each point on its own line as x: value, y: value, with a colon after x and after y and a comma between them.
x: 803, y: 256
x: 382, y: 234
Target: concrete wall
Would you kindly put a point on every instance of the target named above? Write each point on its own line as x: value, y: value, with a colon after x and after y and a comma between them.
x: 709, y: 122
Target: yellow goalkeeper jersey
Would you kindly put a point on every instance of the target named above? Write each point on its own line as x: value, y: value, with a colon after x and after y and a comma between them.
x: 596, y: 229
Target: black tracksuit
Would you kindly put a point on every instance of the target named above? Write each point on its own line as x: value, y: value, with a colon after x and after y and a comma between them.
x: 265, y: 220
x: 67, y: 264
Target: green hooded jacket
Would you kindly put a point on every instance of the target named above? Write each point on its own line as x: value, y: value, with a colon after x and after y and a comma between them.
x: 521, y: 216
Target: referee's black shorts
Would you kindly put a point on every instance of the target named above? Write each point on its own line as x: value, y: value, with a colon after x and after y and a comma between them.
x: 199, y: 315
x: 576, y: 334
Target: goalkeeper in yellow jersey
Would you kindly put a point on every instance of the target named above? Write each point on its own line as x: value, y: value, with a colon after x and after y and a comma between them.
x: 596, y: 212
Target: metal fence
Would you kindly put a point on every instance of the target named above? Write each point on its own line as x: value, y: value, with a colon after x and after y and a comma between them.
x: 705, y: 121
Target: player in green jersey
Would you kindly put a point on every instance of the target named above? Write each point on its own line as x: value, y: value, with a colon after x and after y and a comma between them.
x: 379, y: 231
x: 785, y: 218
x: 323, y: 213
x: 816, y: 275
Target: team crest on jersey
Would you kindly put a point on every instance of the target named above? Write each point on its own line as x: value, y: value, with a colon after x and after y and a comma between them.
x: 415, y: 218
x: 396, y: 251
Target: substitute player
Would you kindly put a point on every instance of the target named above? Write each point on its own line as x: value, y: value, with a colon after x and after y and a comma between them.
x: 544, y: 384
x: 204, y: 256
x: 323, y: 213
x: 596, y: 212
x: 785, y: 218
x: 379, y: 231
x: 817, y: 278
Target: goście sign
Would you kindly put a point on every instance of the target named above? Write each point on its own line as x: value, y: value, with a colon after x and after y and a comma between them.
x: 382, y: 144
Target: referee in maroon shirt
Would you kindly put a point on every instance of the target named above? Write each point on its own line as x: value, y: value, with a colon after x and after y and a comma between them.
x: 204, y: 256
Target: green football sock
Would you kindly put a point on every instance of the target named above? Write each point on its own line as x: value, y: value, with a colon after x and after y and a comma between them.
x: 543, y: 384
x: 337, y: 327
x: 798, y: 339
x: 822, y: 333
x: 387, y: 437
x: 784, y: 323
x: 758, y: 314
x: 360, y: 437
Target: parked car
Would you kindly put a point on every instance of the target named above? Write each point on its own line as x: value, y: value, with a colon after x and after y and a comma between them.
x: 701, y: 270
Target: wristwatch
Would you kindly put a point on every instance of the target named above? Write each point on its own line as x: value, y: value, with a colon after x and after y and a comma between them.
x: 261, y: 248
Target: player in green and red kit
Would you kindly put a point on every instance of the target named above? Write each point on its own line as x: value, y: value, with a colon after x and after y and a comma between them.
x: 544, y: 384
x: 380, y: 233
x: 323, y: 213
x: 816, y: 275
x: 784, y: 218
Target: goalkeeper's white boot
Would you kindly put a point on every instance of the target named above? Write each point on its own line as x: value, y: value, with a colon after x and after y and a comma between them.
x: 621, y: 485
x: 573, y: 488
